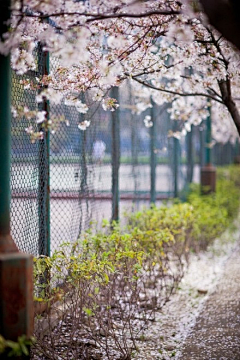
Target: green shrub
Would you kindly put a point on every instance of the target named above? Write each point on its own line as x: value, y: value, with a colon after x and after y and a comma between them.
x: 15, y: 349
x: 113, y: 282
x: 108, y: 284
x: 197, y: 222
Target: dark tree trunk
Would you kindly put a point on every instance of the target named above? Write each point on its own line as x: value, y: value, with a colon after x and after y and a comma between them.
x: 225, y: 89
x: 224, y: 15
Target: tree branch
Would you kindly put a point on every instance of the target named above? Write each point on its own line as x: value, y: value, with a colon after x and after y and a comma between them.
x: 95, y: 17
x: 176, y: 92
x: 224, y: 87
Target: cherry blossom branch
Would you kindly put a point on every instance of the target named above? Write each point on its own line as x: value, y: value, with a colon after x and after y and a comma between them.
x: 229, y: 103
x: 225, y: 85
x: 95, y: 17
x: 218, y: 47
x: 176, y: 92
x: 131, y: 15
x: 215, y: 92
x: 146, y: 71
x: 133, y: 46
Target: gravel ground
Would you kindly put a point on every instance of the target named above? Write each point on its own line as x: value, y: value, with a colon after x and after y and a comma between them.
x: 205, y: 295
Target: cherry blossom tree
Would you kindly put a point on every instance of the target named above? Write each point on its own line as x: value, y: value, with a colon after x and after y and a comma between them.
x: 167, y: 49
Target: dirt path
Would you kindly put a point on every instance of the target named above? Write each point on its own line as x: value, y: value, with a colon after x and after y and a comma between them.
x: 216, y: 333
x: 199, y: 313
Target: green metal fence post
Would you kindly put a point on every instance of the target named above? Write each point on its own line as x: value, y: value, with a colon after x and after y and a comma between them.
x: 16, y: 285
x: 201, y: 141
x: 176, y: 165
x: 208, y: 152
x: 134, y: 142
x: 44, y: 170
x: 208, y: 171
x: 176, y: 149
x: 236, y: 152
x: 115, y: 157
x: 190, y: 156
x: 153, y: 156
x: 5, y: 149
x: 83, y: 152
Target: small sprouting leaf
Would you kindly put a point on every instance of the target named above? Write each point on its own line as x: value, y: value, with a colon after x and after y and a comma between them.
x: 87, y: 311
x: 96, y: 290
x: 106, y: 277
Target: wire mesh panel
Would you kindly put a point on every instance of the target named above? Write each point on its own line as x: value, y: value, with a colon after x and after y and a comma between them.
x: 224, y: 154
x: 24, y: 171
x: 78, y: 175
x: 134, y: 173
x: 145, y: 167
x: 164, y: 152
x: 190, y: 160
x: 65, y: 178
x: 80, y: 169
x: 135, y: 155
x: 99, y: 160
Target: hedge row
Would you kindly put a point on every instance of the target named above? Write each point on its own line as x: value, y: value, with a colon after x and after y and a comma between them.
x: 114, y: 280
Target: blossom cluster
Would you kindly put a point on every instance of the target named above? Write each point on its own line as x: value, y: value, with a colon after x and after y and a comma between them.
x: 165, y: 47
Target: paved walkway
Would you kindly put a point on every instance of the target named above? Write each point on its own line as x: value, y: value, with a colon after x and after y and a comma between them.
x: 216, y: 333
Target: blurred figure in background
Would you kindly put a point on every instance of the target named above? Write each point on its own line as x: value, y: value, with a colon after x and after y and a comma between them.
x: 99, y: 148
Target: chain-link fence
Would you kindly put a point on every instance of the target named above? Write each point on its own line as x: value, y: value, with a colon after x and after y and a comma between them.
x: 24, y: 173
x: 72, y: 178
